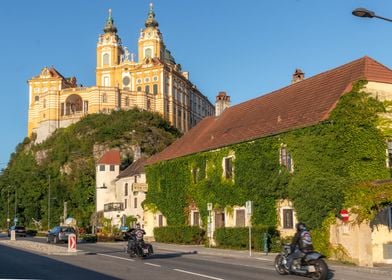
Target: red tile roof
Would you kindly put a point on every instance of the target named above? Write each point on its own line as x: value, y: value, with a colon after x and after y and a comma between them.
x: 302, y: 104
x: 111, y: 157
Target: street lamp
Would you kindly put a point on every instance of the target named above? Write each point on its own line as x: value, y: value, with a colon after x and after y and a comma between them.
x: 362, y: 12
x: 96, y: 206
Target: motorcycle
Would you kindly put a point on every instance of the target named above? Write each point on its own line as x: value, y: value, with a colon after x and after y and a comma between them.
x: 310, y: 264
x: 139, y: 248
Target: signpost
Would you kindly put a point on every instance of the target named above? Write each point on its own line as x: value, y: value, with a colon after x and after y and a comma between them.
x: 209, y: 224
x: 248, y: 206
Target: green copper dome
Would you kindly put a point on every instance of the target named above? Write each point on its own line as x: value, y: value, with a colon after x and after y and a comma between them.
x: 151, y: 21
x: 109, y: 26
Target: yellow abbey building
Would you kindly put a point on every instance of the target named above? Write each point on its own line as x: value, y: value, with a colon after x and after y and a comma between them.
x: 152, y: 82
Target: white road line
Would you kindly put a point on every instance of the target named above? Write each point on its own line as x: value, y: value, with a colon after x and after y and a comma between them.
x: 115, y: 257
x: 153, y: 264
x: 263, y: 259
x: 198, y: 274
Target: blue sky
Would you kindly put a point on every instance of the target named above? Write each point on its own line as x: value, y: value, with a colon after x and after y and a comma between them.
x: 244, y: 47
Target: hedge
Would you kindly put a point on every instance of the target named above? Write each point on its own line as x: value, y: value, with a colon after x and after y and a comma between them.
x: 180, y: 234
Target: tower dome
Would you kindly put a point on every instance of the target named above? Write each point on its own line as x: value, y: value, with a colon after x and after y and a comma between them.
x: 151, y: 21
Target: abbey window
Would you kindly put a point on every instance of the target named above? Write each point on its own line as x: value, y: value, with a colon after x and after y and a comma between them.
x: 105, y: 59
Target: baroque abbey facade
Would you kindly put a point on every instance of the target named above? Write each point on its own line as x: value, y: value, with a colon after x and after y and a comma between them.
x: 153, y: 81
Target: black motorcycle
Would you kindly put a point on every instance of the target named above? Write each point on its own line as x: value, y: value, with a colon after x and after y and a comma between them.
x: 310, y: 265
x: 138, y: 248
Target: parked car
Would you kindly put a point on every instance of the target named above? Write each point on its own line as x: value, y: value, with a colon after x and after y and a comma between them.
x: 19, y: 231
x: 59, y: 234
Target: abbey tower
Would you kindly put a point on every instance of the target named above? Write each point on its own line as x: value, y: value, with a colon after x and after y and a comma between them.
x: 153, y: 81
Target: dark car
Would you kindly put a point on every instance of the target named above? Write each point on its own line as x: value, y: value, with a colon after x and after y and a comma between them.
x: 59, y: 234
x: 19, y: 231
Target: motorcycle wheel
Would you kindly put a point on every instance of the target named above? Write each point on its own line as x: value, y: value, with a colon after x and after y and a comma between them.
x: 321, y: 270
x: 279, y: 266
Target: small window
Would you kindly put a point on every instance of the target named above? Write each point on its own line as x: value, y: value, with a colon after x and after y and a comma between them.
x: 104, y: 97
x: 135, y: 179
x: 112, y: 168
x: 106, y: 59
x: 389, y: 154
x: 196, y: 218
x: 219, y: 220
x: 126, y: 189
x: 36, y: 98
x: 160, y: 220
x: 125, y: 203
x: 127, y: 101
x: 288, y: 217
x: 102, y: 167
x: 285, y: 159
x: 228, y: 167
x: 195, y: 175
x: 135, y: 202
x: 148, y: 104
x: 240, y: 218
x: 139, y: 89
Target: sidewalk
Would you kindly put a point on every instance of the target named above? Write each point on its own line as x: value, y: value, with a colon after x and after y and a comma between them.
x: 383, y: 269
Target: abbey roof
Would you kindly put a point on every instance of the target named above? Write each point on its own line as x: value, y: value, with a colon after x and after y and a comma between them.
x: 298, y: 105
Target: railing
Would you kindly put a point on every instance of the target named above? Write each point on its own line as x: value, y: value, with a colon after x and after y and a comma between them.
x: 113, y: 206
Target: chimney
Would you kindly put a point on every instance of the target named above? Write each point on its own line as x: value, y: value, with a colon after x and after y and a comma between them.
x: 222, y: 102
x: 298, y: 76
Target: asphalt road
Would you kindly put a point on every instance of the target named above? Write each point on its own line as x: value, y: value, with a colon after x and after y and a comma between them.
x: 109, y: 261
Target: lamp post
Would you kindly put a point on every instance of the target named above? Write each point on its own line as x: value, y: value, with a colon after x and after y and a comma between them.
x: 96, y: 206
x: 362, y: 12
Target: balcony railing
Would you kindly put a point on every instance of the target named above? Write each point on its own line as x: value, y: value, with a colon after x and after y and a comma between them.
x: 113, y: 206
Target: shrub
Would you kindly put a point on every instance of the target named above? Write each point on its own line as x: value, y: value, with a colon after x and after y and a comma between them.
x: 180, y: 234
x: 238, y: 237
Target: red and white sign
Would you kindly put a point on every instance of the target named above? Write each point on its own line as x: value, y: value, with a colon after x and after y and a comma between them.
x: 72, y: 243
x: 344, y: 215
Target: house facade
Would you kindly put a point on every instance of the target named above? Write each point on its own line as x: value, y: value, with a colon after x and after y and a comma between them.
x: 293, y: 153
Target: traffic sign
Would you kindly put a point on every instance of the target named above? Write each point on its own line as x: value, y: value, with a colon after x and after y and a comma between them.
x: 72, y: 243
x: 248, y: 206
x: 344, y: 214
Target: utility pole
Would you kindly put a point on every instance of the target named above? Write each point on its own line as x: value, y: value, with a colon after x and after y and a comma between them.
x: 49, y: 202
x: 15, y: 215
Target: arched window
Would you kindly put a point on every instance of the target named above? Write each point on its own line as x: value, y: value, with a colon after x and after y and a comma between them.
x: 105, y: 59
x: 104, y: 97
x: 155, y: 89
x: 147, y: 89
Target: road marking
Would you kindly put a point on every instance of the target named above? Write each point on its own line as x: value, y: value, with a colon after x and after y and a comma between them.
x: 263, y: 259
x: 198, y: 274
x: 153, y: 264
x: 115, y: 257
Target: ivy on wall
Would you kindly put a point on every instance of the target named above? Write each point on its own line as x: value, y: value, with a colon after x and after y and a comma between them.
x: 328, y: 158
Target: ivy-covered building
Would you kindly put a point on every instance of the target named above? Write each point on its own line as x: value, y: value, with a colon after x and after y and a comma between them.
x: 298, y: 153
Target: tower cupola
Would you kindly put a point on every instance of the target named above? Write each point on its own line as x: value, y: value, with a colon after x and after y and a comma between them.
x: 151, y: 21
x: 109, y: 26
